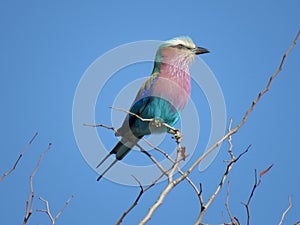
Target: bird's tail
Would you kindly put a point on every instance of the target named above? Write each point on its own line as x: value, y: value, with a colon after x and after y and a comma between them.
x: 120, y: 150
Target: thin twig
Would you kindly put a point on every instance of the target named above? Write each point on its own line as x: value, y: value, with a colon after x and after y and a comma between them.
x: 152, y: 159
x: 156, y: 122
x: 214, y: 195
x: 159, y: 201
x: 134, y: 203
x: 256, y: 184
x: 142, y: 191
x: 19, y: 158
x: 101, y: 125
x: 201, y: 197
x: 159, y: 150
x: 230, y: 141
x: 233, y: 219
x: 63, y: 208
x: 48, y: 212
x: 286, y: 211
x: 171, y: 160
x: 131, y: 113
x: 178, y: 138
x: 30, y: 198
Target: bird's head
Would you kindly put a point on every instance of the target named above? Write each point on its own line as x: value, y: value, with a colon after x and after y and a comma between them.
x: 178, y: 51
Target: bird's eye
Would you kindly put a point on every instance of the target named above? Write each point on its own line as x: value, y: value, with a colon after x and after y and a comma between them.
x: 180, y: 46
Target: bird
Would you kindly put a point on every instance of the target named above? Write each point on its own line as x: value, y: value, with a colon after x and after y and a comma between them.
x: 161, y: 97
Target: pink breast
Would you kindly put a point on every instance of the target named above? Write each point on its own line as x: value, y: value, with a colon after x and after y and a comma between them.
x: 173, y: 84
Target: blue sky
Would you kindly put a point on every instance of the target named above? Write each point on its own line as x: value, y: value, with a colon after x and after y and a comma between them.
x: 47, y: 46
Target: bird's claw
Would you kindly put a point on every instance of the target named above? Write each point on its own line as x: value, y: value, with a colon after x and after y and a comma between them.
x: 157, y: 123
x: 176, y: 134
x: 173, y: 131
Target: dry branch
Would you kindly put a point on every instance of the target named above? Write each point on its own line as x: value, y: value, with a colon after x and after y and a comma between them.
x: 19, y: 158
x: 286, y: 211
x: 171, y: 160
x: 142, y: 191
x: 234, y: 220
x: 133, y: 204
x: 30, y: 198
x: 48, y: 212
x: 256, y: 184
x: 101, y: 125
x: 229, y: 167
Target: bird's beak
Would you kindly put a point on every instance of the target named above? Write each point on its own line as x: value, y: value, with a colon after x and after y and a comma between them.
x: 200, y: 50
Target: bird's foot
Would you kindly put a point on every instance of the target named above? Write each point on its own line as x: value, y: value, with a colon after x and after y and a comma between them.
x: 157, y: 123
x: 173, y: 131
x: 176, y: 134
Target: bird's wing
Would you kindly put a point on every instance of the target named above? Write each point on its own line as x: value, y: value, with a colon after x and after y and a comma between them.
x: 139, y: 104
x: 146, y: 87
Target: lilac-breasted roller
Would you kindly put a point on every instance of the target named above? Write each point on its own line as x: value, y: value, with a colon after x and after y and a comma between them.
x: 162, y: 96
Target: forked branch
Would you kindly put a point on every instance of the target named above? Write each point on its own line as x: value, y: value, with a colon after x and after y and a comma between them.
x: 256, y: 184
x: 48, y: 212
x: 29, y: 202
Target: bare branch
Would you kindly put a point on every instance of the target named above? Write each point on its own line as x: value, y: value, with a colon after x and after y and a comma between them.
x: 153, y: 120
x: 152, y: 159
x: 48, y: 212
x: 230, y: 141
x: 256, y: 184
x: 159, y: 201
x: 142, y: 191
x: 158, y: 149
x: 101, y: 125
x: 19, y: 158
x: 63, y: 208
x: 233, y: 219
x: 134, y: 203
x: 171, y: 160
x: 286, y: 211
x: 30, y: 198
x: 229, y: 167
x: 133, y: 114
x: 178, y: 137
x: 201, y: 198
